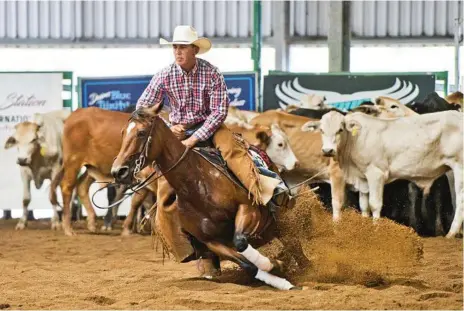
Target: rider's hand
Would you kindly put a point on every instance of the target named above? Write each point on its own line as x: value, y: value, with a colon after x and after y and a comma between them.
x: 179, y: 131
x: 190, y: 142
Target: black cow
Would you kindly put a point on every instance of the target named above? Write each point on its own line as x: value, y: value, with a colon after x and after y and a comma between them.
x: 432, y: 103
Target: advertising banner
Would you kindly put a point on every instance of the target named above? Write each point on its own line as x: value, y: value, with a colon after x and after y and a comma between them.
x: 22, y: 95
x: 241, y: 88
x: 345, y: 91
x: 118, y: 93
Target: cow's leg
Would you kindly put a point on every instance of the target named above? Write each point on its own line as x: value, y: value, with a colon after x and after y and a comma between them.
x: 337, y: 186
x: 83, y: 185
x: 249, y: 266
x: 26, y: 178
x: 55, y: 225
x: 375, y: 180
x: 112, y: 213
x: 109, y: 216
x: 415, y: 205
x: 459, y: 188
x: 136, y: 202
x: 364, y: 204
x: 67, y: 186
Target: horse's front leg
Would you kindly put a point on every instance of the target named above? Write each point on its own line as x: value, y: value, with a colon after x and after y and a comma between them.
x: 251, y: 269
x: 247, y: 222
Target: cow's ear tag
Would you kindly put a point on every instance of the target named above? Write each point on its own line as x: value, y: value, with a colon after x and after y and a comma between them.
x: 354, y: 131
x: 42, y: 151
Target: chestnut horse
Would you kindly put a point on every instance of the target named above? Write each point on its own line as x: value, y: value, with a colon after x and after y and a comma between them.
x: 215, y: 211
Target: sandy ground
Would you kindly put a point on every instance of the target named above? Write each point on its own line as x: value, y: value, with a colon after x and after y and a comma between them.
x: 43, y: 269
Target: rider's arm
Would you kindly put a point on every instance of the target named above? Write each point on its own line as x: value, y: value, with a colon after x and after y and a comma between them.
x: 153, y: 92
x: 219, y: 104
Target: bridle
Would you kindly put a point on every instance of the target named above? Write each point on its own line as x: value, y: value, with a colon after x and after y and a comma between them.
x: 139, y: 164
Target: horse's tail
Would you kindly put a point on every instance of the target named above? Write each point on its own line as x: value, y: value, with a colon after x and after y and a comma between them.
x: 54, y: 184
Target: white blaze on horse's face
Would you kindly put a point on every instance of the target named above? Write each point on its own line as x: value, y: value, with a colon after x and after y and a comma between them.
x: 130, y: 127
x: 279, y: 149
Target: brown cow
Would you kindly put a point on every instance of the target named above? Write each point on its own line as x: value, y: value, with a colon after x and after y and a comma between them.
x: 455, y: 98
x: 91, y: 138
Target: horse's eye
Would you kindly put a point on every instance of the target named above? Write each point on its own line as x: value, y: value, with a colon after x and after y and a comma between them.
x: 141, y: 134
x: 280, y: 145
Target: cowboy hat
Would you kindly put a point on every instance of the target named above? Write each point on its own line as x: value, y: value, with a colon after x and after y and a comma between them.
x: 188, y: 35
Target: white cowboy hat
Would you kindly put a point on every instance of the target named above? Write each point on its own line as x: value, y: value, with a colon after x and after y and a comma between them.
x: 188, y: 35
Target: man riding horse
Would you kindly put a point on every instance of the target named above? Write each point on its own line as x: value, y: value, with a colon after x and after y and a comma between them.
x: 199, y: 103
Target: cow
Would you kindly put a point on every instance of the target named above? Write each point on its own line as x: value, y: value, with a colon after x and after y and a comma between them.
x: 380, y: 106
x: 91, y: 139
x: 39, y: 155
x: 433, y: 103
x: 236, y: 116
x: 455, y: 98
x: 373, y: 152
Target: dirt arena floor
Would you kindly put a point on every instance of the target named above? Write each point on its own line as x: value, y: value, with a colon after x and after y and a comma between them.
x: 353, y: 267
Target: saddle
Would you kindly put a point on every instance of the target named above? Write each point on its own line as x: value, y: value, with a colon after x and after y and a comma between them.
x: 211, y: 154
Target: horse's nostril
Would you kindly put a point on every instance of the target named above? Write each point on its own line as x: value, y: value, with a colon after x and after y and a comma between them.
x: 120, y: 173
x: 123, y: 172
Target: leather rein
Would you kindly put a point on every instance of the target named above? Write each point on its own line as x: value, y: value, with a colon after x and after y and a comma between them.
x: 139, y: 164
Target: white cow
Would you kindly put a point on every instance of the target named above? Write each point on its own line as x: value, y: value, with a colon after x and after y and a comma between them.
x: 375, y: 151
x: 39, y: 154
x: 272, y: 140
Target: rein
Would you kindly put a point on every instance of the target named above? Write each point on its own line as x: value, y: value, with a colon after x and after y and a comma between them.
x: 138, y: 165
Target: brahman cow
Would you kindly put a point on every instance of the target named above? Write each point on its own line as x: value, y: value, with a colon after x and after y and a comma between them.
x: 39, y: 155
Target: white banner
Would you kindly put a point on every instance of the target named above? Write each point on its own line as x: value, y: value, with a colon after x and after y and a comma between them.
x: 22, y: 95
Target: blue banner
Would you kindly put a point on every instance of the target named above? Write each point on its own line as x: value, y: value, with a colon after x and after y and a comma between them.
x: 117, y: 93
x: 241, y: 88
x: 112, y: 93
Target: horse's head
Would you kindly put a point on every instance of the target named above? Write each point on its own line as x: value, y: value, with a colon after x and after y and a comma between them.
x: 137, y: 148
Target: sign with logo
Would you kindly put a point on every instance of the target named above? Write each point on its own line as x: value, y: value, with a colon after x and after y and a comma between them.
x: 112, y: 93
x: 22, y: 95
x: 241, y: 88
x: 345, y: 91
x: 118, y: 93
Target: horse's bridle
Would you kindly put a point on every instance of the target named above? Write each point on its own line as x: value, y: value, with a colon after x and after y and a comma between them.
x: 139, y: 163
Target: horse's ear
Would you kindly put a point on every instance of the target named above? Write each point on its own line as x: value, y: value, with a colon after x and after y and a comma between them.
x: 155, y: 109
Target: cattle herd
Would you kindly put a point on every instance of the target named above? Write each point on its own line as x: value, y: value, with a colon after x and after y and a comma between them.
x: 384, y: 158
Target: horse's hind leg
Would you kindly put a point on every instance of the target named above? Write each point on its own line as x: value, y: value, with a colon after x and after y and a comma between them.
x: 250, y: 268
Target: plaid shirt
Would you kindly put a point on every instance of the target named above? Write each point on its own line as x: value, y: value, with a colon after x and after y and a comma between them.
x: 197, y: 96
